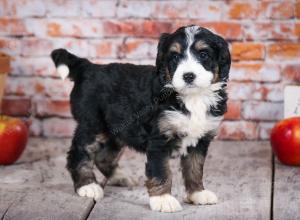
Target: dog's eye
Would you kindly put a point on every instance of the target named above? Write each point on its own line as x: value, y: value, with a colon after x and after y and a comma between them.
x: 203, y: 55
x: 175, y: 56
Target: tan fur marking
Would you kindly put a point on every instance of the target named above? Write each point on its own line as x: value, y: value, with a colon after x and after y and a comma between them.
x: 156, y: 187
x: 199, y: 45
x: 192, y: 171
x: 216, y: 75
x: 168, y: 76
x: 175, y: 47
x: 102, y: 138
x: 85, y: 174
x: 105, y: 160
x: 92, y: 149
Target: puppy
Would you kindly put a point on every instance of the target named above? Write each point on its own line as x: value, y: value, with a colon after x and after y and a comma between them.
x: 176, y: 105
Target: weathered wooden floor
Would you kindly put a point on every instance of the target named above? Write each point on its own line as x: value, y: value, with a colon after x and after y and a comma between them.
x: 243, y: 175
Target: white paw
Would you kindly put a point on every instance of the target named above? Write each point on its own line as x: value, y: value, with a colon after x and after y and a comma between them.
x: 119, y: 178
x: 92, y: 190
x: 203, y: 197
x: 164, y: 203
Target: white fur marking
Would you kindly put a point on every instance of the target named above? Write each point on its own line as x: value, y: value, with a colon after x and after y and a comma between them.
x: 198, y: 123
x: 91, y: 190
x: 164, y: 203
x: 190, y: 64
x: 63, y: 71
x: 203, y: 197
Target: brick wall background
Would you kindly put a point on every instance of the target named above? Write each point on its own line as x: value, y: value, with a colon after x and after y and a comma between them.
x: 264, y: 37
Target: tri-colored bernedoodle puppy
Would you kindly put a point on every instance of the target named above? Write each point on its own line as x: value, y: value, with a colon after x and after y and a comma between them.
x: 176, y: 105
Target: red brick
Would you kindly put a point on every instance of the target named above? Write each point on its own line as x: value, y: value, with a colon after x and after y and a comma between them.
x: 267, y: 111
x: 95, y: 8
x: 20, y: 86
x: 74, y: 28
x: 12, y: 27
x: 33, y: 66
x: 297, y: 9
x: 47, y: 107
x: 265, y: 130
x: 270, y: 31
x: 147, y: 28
x: 37, y: 27
x: 10, y: 46
x: 138, y: 9
x: 233, y: 110
x: 242, y: 10
x: 35, y: 127
x: 248, y: 51
x: 228, y: 30
x: 244, y: 91
x: 281, y: 10
x: 58, y: 127
x: 291, y: 72
x: 108, y: 48
x: 283, y: 31
x: 39, y: 87
x: 36, y: 47
x: 24, y: 8
x: 238, y: 130
x: 138, y: 48
x: 170, y: 10
x: 16, y: 107
x: 63, y: 8
x: 272, y: 92
x: 54, y: 29
x: 54, y: 88
x: 281, y: 51
x: 255, y: 91
x: 297, y: 30
x: 260, y: 72
x: 78, y: 47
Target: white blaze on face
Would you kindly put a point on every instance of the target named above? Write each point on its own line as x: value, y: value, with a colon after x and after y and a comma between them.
x: 190, y: 64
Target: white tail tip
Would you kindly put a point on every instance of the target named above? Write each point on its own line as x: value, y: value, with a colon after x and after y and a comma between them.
x: 63, y: 71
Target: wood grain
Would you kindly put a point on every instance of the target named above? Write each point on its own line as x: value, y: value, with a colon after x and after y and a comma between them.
x: 47, y: 203
x: 286, y: 192
x: 239, y: 173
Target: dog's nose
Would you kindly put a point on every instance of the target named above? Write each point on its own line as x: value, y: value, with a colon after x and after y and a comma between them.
x: 189, y: 77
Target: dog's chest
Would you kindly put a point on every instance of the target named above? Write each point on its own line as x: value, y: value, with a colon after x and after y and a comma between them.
x: 194, y: 125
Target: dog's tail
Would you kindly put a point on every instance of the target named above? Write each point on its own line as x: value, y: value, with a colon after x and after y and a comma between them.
x: 68, y: 65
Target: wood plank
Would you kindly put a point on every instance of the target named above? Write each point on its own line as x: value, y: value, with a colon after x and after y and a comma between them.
x: 40, y: 190
x: 286, y: 192
x: 57, y: 202
x: 7, y: 199
x: 43, y: 149
x: 239, y: 172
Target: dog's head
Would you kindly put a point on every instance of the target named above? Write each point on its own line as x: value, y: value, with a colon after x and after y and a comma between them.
x: 192, y: 58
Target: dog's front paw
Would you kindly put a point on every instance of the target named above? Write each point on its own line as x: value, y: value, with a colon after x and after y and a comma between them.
x: 92, y: 190
x: 204, y: 197
x: 164, y: 203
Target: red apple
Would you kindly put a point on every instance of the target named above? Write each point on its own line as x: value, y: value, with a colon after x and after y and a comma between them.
x: 13, y: 139
x: 285, y: 141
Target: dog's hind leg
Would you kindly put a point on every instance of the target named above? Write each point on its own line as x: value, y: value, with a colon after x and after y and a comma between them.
x: 106, y: 160
x: 80, y: 161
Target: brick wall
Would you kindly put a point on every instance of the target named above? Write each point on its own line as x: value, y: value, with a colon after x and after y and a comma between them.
x: 264, y: 37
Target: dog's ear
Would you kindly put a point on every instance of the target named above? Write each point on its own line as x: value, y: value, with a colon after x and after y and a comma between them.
x: 224, y: 58
x: 160, y: 48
